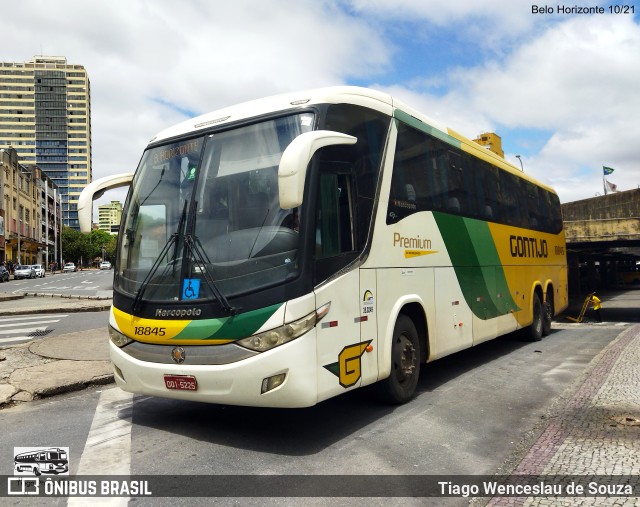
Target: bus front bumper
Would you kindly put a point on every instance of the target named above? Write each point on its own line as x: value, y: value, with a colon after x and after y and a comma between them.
x: 238, y: 383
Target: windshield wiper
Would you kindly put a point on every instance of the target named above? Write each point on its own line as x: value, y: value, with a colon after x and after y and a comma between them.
x: 173, y: 239
x: 200, y: 257
x: 192, y: 250
x: 196, y: 252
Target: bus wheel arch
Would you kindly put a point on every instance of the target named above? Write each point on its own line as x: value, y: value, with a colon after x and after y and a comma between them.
x: 408, y: 349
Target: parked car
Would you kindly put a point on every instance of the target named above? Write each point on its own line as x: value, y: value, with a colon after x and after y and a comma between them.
x: 4, y: 274
x: 105, y: 265
x: 69, y: 267
x: 20, y: 272
x: 39, y: 270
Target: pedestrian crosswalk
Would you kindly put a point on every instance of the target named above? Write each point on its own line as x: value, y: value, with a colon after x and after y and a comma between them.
x: 22, y: 328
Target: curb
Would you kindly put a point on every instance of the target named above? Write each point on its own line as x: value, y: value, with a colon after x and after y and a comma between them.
x: 63, y: 296
x: 80, y: 309
x: 59, y: 389
x: 9, y: 297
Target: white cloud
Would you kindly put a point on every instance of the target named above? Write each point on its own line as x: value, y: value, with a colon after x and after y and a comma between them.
x: 143, y: 56
x: 576, y: 79
x: 149, y: 61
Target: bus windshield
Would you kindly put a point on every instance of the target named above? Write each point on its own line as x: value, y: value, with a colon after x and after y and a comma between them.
x: 203, y: 216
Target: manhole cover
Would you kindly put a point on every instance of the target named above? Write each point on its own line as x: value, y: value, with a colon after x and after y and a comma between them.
x: 626, y: 420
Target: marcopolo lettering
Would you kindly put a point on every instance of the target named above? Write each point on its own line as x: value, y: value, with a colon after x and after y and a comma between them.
x: 179, y: 312
x: 528, y: 247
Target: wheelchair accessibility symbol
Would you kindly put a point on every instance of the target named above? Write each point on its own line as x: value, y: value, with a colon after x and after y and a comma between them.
x: 191, y: 288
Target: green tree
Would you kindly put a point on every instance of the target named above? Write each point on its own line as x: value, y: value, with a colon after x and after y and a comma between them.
x: 87, y: 248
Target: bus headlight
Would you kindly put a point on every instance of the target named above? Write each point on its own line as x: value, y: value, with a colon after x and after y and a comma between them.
x: 118, y: 338
x: 275, y: 337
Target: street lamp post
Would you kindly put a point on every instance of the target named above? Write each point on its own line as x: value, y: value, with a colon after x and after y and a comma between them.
x: 520, y: 159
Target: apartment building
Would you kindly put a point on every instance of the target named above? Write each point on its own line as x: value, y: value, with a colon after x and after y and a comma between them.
x: 109, y: 217
x: 30, y: 213
x: 45, y: 115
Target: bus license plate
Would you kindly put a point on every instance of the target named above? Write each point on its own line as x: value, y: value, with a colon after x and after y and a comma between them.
x: 181, y: 382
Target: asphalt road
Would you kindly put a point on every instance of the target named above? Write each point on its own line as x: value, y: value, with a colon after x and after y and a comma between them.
x: 475, y: 410
x: 81, y: 283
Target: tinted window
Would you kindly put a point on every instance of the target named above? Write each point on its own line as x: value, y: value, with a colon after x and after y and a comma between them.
x: 431, y: 175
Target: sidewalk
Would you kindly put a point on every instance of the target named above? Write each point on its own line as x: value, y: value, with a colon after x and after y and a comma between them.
x: 54, y: 364
x: 596, y: 432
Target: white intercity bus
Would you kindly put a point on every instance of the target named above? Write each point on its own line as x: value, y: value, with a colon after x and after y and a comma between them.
x: 286, y: 250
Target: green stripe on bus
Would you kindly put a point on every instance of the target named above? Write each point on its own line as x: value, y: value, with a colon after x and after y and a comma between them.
x: 230, y: 328
x: 417, y: 124
x: 477, y: 265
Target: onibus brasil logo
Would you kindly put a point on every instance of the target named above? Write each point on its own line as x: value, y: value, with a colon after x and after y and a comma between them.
x: 34, y: 462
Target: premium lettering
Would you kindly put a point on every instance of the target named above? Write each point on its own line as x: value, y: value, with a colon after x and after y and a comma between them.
x: 410, y: 242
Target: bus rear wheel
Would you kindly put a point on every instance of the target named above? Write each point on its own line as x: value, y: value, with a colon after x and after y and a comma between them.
x: 401, y: 384
x: 547, y: 314
x: 535, y: 331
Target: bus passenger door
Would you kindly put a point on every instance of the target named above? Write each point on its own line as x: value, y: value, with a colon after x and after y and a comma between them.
x: 339, y: 345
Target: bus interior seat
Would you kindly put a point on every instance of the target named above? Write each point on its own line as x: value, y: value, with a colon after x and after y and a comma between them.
x: 410, y: 192
x: 453, y: 205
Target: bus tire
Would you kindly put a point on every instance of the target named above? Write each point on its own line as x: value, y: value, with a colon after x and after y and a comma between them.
x: 401, y: 384
x: 36, y: 471
x: 535, y: 330
x: 547, y: 315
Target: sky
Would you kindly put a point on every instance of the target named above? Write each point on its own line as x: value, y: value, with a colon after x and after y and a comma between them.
x: 560, y: 88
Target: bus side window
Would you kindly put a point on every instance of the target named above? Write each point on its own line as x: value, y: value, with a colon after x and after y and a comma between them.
x: 335, y: 234
x: 334, y: 220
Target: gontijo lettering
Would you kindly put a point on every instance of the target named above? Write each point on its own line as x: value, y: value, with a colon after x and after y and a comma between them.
x: 528, y: 247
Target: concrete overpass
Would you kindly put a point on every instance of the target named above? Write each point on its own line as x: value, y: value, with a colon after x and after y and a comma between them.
x: 603, y: 240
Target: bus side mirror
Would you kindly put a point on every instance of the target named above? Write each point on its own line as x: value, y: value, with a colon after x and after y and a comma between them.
x: 94, y: 190
x: 295, y: 159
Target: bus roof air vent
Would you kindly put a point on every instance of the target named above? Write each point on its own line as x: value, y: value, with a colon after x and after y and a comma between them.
x: 211, y: 122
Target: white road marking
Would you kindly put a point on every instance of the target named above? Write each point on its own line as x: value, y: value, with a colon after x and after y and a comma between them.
x: 24, y: 330
x: 15, y: 324
x: 107, y: 450
x: 15, y: 339
x: 43, y: 316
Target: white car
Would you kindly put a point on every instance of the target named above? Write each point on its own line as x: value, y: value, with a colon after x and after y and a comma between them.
x: 39, y: 270
x: 23, y: 272
x: 69, y: 267
x: 105, y: 265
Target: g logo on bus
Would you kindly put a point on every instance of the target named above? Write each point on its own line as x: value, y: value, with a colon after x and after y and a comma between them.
x: 348, y: 368
x: 178, y: 355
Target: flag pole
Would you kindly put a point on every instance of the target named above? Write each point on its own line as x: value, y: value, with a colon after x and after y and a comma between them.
x: 604, y: 183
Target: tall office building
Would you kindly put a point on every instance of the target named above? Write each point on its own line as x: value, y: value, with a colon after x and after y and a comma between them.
x: 45, y: 115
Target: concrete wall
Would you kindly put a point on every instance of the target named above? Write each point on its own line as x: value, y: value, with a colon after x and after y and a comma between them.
x: 612, y: 217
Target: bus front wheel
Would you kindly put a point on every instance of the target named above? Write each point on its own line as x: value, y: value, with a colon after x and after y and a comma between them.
x: 401, y: 384
x: 535, y: 331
